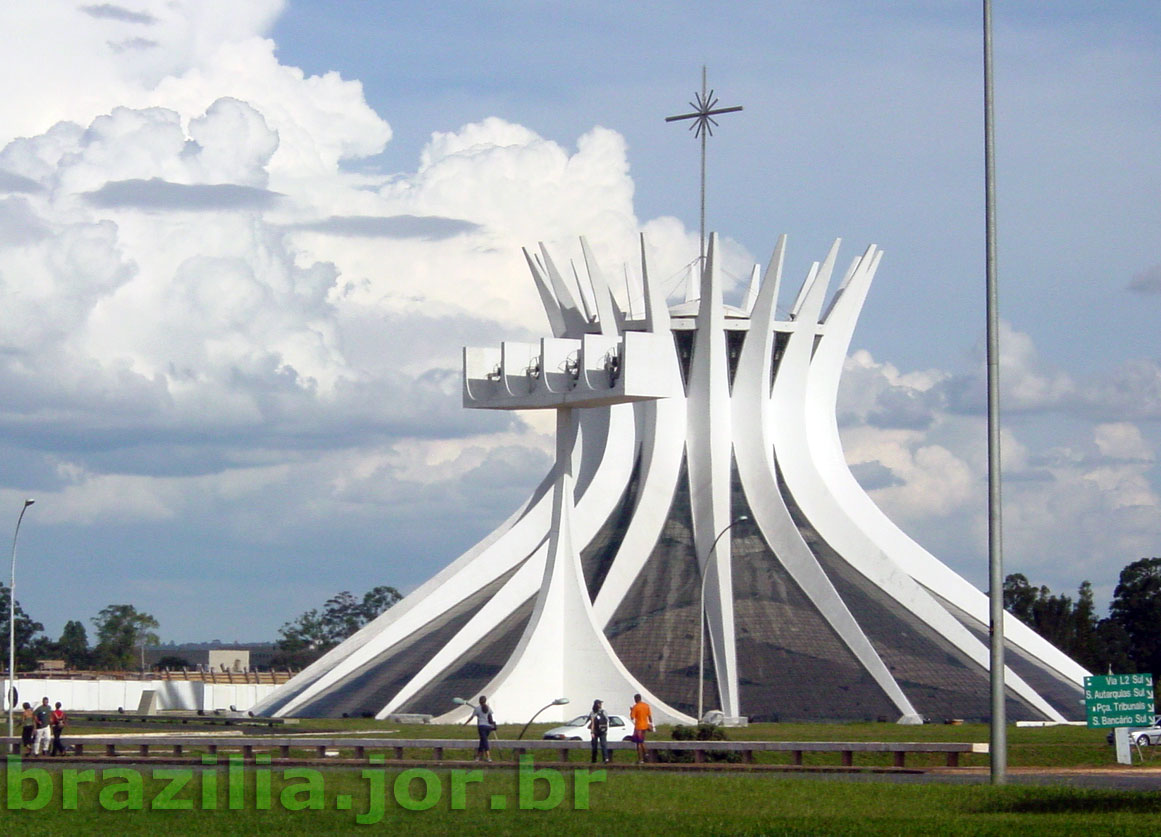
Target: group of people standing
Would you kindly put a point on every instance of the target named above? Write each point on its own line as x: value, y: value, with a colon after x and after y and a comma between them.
x: 639, y: 713
x: 41, y: 729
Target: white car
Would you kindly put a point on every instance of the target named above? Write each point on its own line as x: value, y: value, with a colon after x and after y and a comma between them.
x: 578, y: 729
x: 1143, y: 736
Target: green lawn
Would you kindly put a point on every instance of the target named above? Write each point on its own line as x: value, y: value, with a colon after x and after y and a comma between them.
x: 1063, y: 746
x: 627, y: 802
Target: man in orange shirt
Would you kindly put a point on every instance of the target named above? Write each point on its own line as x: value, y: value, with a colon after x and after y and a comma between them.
x: 642, y: 717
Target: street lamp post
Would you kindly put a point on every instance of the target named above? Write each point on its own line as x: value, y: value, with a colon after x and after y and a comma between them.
x: 557, y: 702
x: 12, y: 623
x: 711, y: 557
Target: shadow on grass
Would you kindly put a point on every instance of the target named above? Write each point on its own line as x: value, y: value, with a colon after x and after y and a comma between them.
x: 1070, y: 801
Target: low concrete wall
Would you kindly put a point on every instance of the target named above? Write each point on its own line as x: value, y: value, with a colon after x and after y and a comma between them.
x: 110, y: 695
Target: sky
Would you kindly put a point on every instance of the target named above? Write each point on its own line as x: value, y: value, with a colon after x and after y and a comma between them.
x: 242, y: 245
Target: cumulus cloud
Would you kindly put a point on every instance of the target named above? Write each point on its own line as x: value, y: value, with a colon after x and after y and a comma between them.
x: 216, y: 333
x: 880, y: 395
x: 1074, y: 508
x: 205, y: 311
x: 1130, y: 390
x: 19, y: 222
x: 1122, y: 441
x: 875, y: 475
x: 206, y: 317
x: 1027, y: 383
x: 78, y: 61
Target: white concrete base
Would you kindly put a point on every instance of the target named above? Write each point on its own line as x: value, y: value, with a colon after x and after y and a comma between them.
x: 720, y: 719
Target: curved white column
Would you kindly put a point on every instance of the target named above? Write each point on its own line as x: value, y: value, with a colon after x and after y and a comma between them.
x: 562, y: 631
x: 487, y: 561
x: 795, y: 448
x: 754, y: 455
x: 523, y: 585
x: 822, y: 400
x: 708, y: 450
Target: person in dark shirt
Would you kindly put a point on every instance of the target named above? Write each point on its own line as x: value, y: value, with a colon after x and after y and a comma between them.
x: 28, y: 728
x: 599, y: 727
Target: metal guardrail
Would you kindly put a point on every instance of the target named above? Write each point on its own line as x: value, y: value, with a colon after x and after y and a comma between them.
x: 181, y: 746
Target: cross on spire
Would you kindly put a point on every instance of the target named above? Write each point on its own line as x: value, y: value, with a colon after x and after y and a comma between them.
x: 704, y: 109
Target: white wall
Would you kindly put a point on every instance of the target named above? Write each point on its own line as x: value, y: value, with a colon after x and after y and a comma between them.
x: 109, y: 695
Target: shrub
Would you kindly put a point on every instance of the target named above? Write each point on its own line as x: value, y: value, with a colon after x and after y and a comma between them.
x: 701, y: 732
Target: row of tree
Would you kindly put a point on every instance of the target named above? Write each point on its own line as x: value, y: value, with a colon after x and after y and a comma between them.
x: 315, y: 632
x: 1126, y: 641
x: 122, y: 632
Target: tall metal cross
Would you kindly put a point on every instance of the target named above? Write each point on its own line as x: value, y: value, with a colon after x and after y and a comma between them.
x: 703, y: 112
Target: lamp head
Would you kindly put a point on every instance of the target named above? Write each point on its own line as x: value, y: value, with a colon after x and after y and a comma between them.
x: 28, y: 502
x: 459, y: 701
x: 560, y: 702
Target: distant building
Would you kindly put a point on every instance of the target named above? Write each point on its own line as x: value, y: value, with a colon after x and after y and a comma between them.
x: 212, y: 656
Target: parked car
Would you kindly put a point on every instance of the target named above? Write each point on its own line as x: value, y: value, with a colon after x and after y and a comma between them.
x: 578, y: 729
x: 1143, y: 736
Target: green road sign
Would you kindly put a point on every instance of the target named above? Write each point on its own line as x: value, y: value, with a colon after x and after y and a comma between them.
x: 1119, y: 700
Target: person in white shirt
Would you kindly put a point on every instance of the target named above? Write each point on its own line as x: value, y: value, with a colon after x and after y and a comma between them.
x: 485, y: 726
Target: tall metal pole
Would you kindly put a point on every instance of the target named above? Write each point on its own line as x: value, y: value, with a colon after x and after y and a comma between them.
x: 999, y: 735
x: 704, y: 111
x: 701, y: 225
x: 701, y: 637
x: 11, y: 687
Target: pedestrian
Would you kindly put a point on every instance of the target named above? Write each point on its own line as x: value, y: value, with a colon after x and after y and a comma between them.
x: 42, y: 740
x: 642, y: 717
x: 599, y: 728
x: 28, y: 728
x: 485, y: 726
x: 57, y: 721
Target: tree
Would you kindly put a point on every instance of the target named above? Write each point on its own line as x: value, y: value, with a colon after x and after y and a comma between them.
x: 1087, y: 643
x: 1136, y: 609
x: 73, y: 645
x: 1073, y: 628
x: 1050, y: 616
x: 171, y: 661
x: 1114, y: 650
x: 26, y: 633
x: 313, y: 634
x: 1019, y: 597
x: 121, y: 629
x: 302, y: 641
x: 378, y: 599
